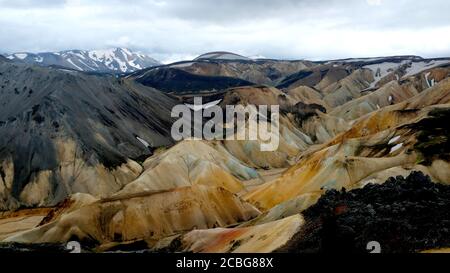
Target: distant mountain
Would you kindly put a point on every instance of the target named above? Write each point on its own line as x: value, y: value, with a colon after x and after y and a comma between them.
x: 384, y: 69
x: 217, y: 71
x: 116, y: 60
x: 175, y: 80
x: 222, y: 55
x: 378, y: 59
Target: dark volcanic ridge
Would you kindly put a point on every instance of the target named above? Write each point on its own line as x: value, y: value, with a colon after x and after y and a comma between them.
x: 216, y: 74
x: 104, y: 116
x: 405, y: 215
x: 179, y: 81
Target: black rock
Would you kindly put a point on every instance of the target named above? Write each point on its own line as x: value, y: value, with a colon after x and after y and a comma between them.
x: 404, y: 215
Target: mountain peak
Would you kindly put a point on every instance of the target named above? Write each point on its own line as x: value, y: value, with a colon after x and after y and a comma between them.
x: 115, y: 60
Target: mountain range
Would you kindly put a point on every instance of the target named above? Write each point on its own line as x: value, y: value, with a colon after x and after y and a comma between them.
x: 363, y: 149
x: 113, y: 60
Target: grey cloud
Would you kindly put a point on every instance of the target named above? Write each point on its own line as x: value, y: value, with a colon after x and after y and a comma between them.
x: 31, y: 4
x: 171, y: 29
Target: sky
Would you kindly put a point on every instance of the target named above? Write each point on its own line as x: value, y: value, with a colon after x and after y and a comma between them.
x: 173, y: 30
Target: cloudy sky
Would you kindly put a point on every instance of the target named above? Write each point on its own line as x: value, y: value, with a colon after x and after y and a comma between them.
x: 171, y: 30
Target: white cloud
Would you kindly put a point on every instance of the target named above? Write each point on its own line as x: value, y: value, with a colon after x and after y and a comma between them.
x: 122, y: 41
x: 171, y: 30
x: 374, y: 2
x: 172, y: 58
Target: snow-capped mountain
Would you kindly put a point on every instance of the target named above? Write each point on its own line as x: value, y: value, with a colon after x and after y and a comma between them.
x: 116, y: 60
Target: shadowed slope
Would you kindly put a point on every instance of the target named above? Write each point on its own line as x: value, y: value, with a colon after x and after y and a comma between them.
x: 56, y: 125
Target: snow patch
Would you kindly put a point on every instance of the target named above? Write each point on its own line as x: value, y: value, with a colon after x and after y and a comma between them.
x: 393, y: 140
x: 126, y: 51
x: 369, y: 181
x: 258, y: 57
x: 196, y: 107
x: 72, y: 63
x: 102, y: 55
x: 68, y: 70
x: 431, y: 82
x: 135, y: 65
x: 381, y: 70
x: 396, y: 148
x: 418, y: 67
x: 116, y: 59
x: 81, y: 61
x: 146, y: 144
x: 21, y: 55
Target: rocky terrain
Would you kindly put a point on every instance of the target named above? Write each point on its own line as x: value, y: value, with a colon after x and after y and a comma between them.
x: 404, y: 215
x: 213, y: 72
x: 90, y: 158
x: 63, y: 132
